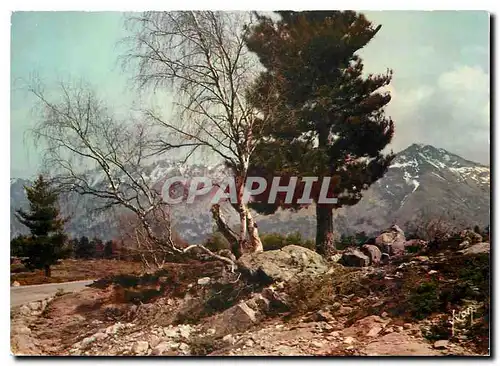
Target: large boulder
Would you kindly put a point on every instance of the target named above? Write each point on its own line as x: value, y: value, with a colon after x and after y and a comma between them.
x: 282, y: 264
x: 392, y: 241
x: 373, y: 252
x: 236, y: 319
x: 354, y: 258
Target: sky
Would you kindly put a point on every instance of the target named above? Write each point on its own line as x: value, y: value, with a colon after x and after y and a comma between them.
x: 440, y: 88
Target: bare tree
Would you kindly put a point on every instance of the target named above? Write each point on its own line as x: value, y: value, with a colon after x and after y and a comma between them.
x: 82, y: 138
x: 202, y: 58
x: 429, y: 225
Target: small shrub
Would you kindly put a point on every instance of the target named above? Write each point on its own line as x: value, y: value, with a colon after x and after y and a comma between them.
x: 275, y: 241
x: 202, y: 346
x: 413, y: 249
x: 425, y: 300
x: 217, y: 242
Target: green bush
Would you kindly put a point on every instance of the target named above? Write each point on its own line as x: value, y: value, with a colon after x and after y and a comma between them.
x: 425, y: 300
x: 216, y: 242
x: 351, y: 240
x: 274, y: 241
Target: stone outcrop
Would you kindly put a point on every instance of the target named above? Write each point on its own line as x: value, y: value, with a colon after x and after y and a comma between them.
x: 477, y: 248
x: 282, y: 264
x: 373, y: 252
x: 392, y: 241
x: 354, y: 258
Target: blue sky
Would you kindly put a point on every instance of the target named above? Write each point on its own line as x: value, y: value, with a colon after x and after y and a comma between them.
x: 440, y: 62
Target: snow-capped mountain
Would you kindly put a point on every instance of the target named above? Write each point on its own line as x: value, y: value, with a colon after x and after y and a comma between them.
x: 422, y: 179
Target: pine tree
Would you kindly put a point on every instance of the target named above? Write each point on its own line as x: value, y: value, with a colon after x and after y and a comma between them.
x: 328, y: 117
x: 85, y: 249
x: 46, y: 244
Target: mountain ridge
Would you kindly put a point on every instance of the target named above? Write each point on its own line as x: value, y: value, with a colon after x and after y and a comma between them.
x: 421, y: 178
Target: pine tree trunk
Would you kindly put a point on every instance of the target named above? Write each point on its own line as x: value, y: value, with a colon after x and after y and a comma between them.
x: 47, y: 270
x: 324, y: 230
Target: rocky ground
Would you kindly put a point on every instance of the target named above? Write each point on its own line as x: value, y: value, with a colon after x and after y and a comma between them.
x: 282, y: 302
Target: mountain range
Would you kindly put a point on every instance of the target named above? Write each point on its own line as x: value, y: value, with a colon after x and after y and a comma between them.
x: 422, y: 181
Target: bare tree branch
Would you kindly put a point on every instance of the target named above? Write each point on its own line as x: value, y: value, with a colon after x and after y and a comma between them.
x: 202, y: 58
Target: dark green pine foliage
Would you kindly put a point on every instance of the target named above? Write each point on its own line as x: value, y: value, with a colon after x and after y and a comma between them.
x: 327, y: 116
x: 108, y: 249
x: 85, y: 248
x: 45, y: 245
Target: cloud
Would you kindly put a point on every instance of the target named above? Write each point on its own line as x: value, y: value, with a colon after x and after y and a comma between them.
x: 452, y: 113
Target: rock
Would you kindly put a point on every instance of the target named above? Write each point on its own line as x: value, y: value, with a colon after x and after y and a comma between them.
x: 171, y: 332
x: 374, y: 331
x: 162, y: 349
x: 236, y: 319
x: 322, y: 315
x: 276, y: 298
x: 140, y: 347
x: 100, y: 336
x: 384, y: 314
x: 407, y: 325
x: 399, y: 344
x: 249, y: 343
x: 184, y: 347
x: 392, y: 241
x: 229, y: 339
x: 258, y: 302
x: 421, y: 258
x: 354, y: 258
x: 35, y: 305
x: 477, y: 249
x: 282, y: 264
x: 415, y: 244
x: 326, y: 327
x: 25, y: 310
x: 22, y: 329
x: 385, y: 258
x: 87, y: 341
x: 464, y: 245
x: 204, y: 281
x: 369, y: 326
x: 349, y: 340
x: 335, y: 258
x: 442, y: 344
x: 16, y: 284
x: 154, y: 340
x: 113, y: 329
x: 344, y: 310
x: 432, y: 271
x: 184, y: 331
x: 471, y: 235
x: 373, y: 252
x: 23, y: 345
x: 388, y: 330
x: 317, y: 344
x: 335, y: 306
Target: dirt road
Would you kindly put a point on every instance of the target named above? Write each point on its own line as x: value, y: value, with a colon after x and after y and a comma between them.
x: 24, y: 294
